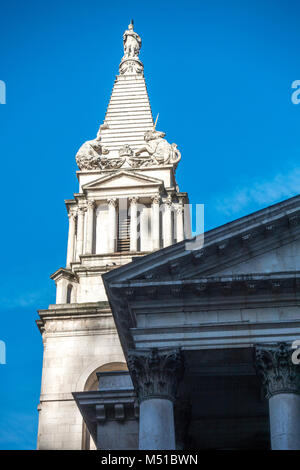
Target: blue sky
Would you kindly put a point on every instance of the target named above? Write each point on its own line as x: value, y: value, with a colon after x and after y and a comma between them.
x: 219, y: 73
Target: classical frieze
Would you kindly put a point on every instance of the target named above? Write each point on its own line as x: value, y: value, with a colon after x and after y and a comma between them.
x: 276, y: 370
x: 156, y: 373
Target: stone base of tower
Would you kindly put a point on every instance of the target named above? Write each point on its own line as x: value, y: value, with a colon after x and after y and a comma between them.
x: 79, y: 340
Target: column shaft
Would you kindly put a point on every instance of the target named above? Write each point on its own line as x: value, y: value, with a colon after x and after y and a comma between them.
x: 155, y: 232
x: 133, y: 224
x: 285, y: 421
x: 167, y: 225
x: 112, y: 225
x: 90, y: 227
x: 61, y: 291
x: 80, y: 231
x: 71, y: 239
x: 179, y: 224
x: 156, y: 425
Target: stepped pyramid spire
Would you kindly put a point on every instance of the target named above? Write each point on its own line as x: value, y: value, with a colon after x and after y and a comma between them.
x: 127, y: 137
x: 128, y: 116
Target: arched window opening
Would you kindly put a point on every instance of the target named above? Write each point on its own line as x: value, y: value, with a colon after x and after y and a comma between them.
x: 69, y: 293
x: 91, y: 385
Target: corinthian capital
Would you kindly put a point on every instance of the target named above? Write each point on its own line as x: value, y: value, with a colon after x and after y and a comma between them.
x: 112, y: 201
x: 133, y: 199
x: 274, y: 366
x: 156, y: 373
x: 90, y: 203
x: 81, y: 210
x: 179, y: 209
x: 169, y: 201
x: 155, y: 198
x: 72, y: 214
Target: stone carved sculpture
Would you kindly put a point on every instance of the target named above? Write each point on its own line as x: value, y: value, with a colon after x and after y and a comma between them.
x: 126, y: 151
x: 88, y: 156
x: 91, y: 155
x: 131, y: 67
x: 132, y: 43
x: 111, y: 163
x: 159, y: 148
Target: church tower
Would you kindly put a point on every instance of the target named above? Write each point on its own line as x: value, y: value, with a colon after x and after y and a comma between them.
x: 128, y: 204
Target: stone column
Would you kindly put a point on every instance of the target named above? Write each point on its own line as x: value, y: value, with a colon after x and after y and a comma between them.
x: 281, y: 381
x: 71, y: 238
x: 179, y: 223
x: 133, y: 223
x: 155, y: 374
x: 61, y: 290
x: 112, y: 224
x: 155, y: 233
x: 89, y: 227
x: 167, y: 223
x: 80, y: 231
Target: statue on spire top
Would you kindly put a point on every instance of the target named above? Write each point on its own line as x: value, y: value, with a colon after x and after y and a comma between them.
x: 130, y: 63
x: 132, y: 42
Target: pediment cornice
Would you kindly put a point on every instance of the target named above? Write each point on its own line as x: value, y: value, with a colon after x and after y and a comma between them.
x: 135, y: 178
x: 260, y: 284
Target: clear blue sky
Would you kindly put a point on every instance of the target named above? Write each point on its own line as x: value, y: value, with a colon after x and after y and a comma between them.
x: 219, y: 73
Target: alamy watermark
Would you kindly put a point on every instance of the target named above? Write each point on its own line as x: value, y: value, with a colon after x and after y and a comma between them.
x: 296, y: 353
x: 170, y: 222
x: 296, y: 94
x: 2, y: 352
x: 2, y: 92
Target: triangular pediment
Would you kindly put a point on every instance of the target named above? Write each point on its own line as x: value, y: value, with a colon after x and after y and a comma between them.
x: 273, y: 256
x: 122, y: 179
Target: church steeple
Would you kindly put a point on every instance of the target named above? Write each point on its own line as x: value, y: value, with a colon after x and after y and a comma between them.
x: 128, y: 116
x: 128, y: 204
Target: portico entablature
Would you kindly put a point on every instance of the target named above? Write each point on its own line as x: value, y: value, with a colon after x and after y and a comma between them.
x: 229, y: 311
